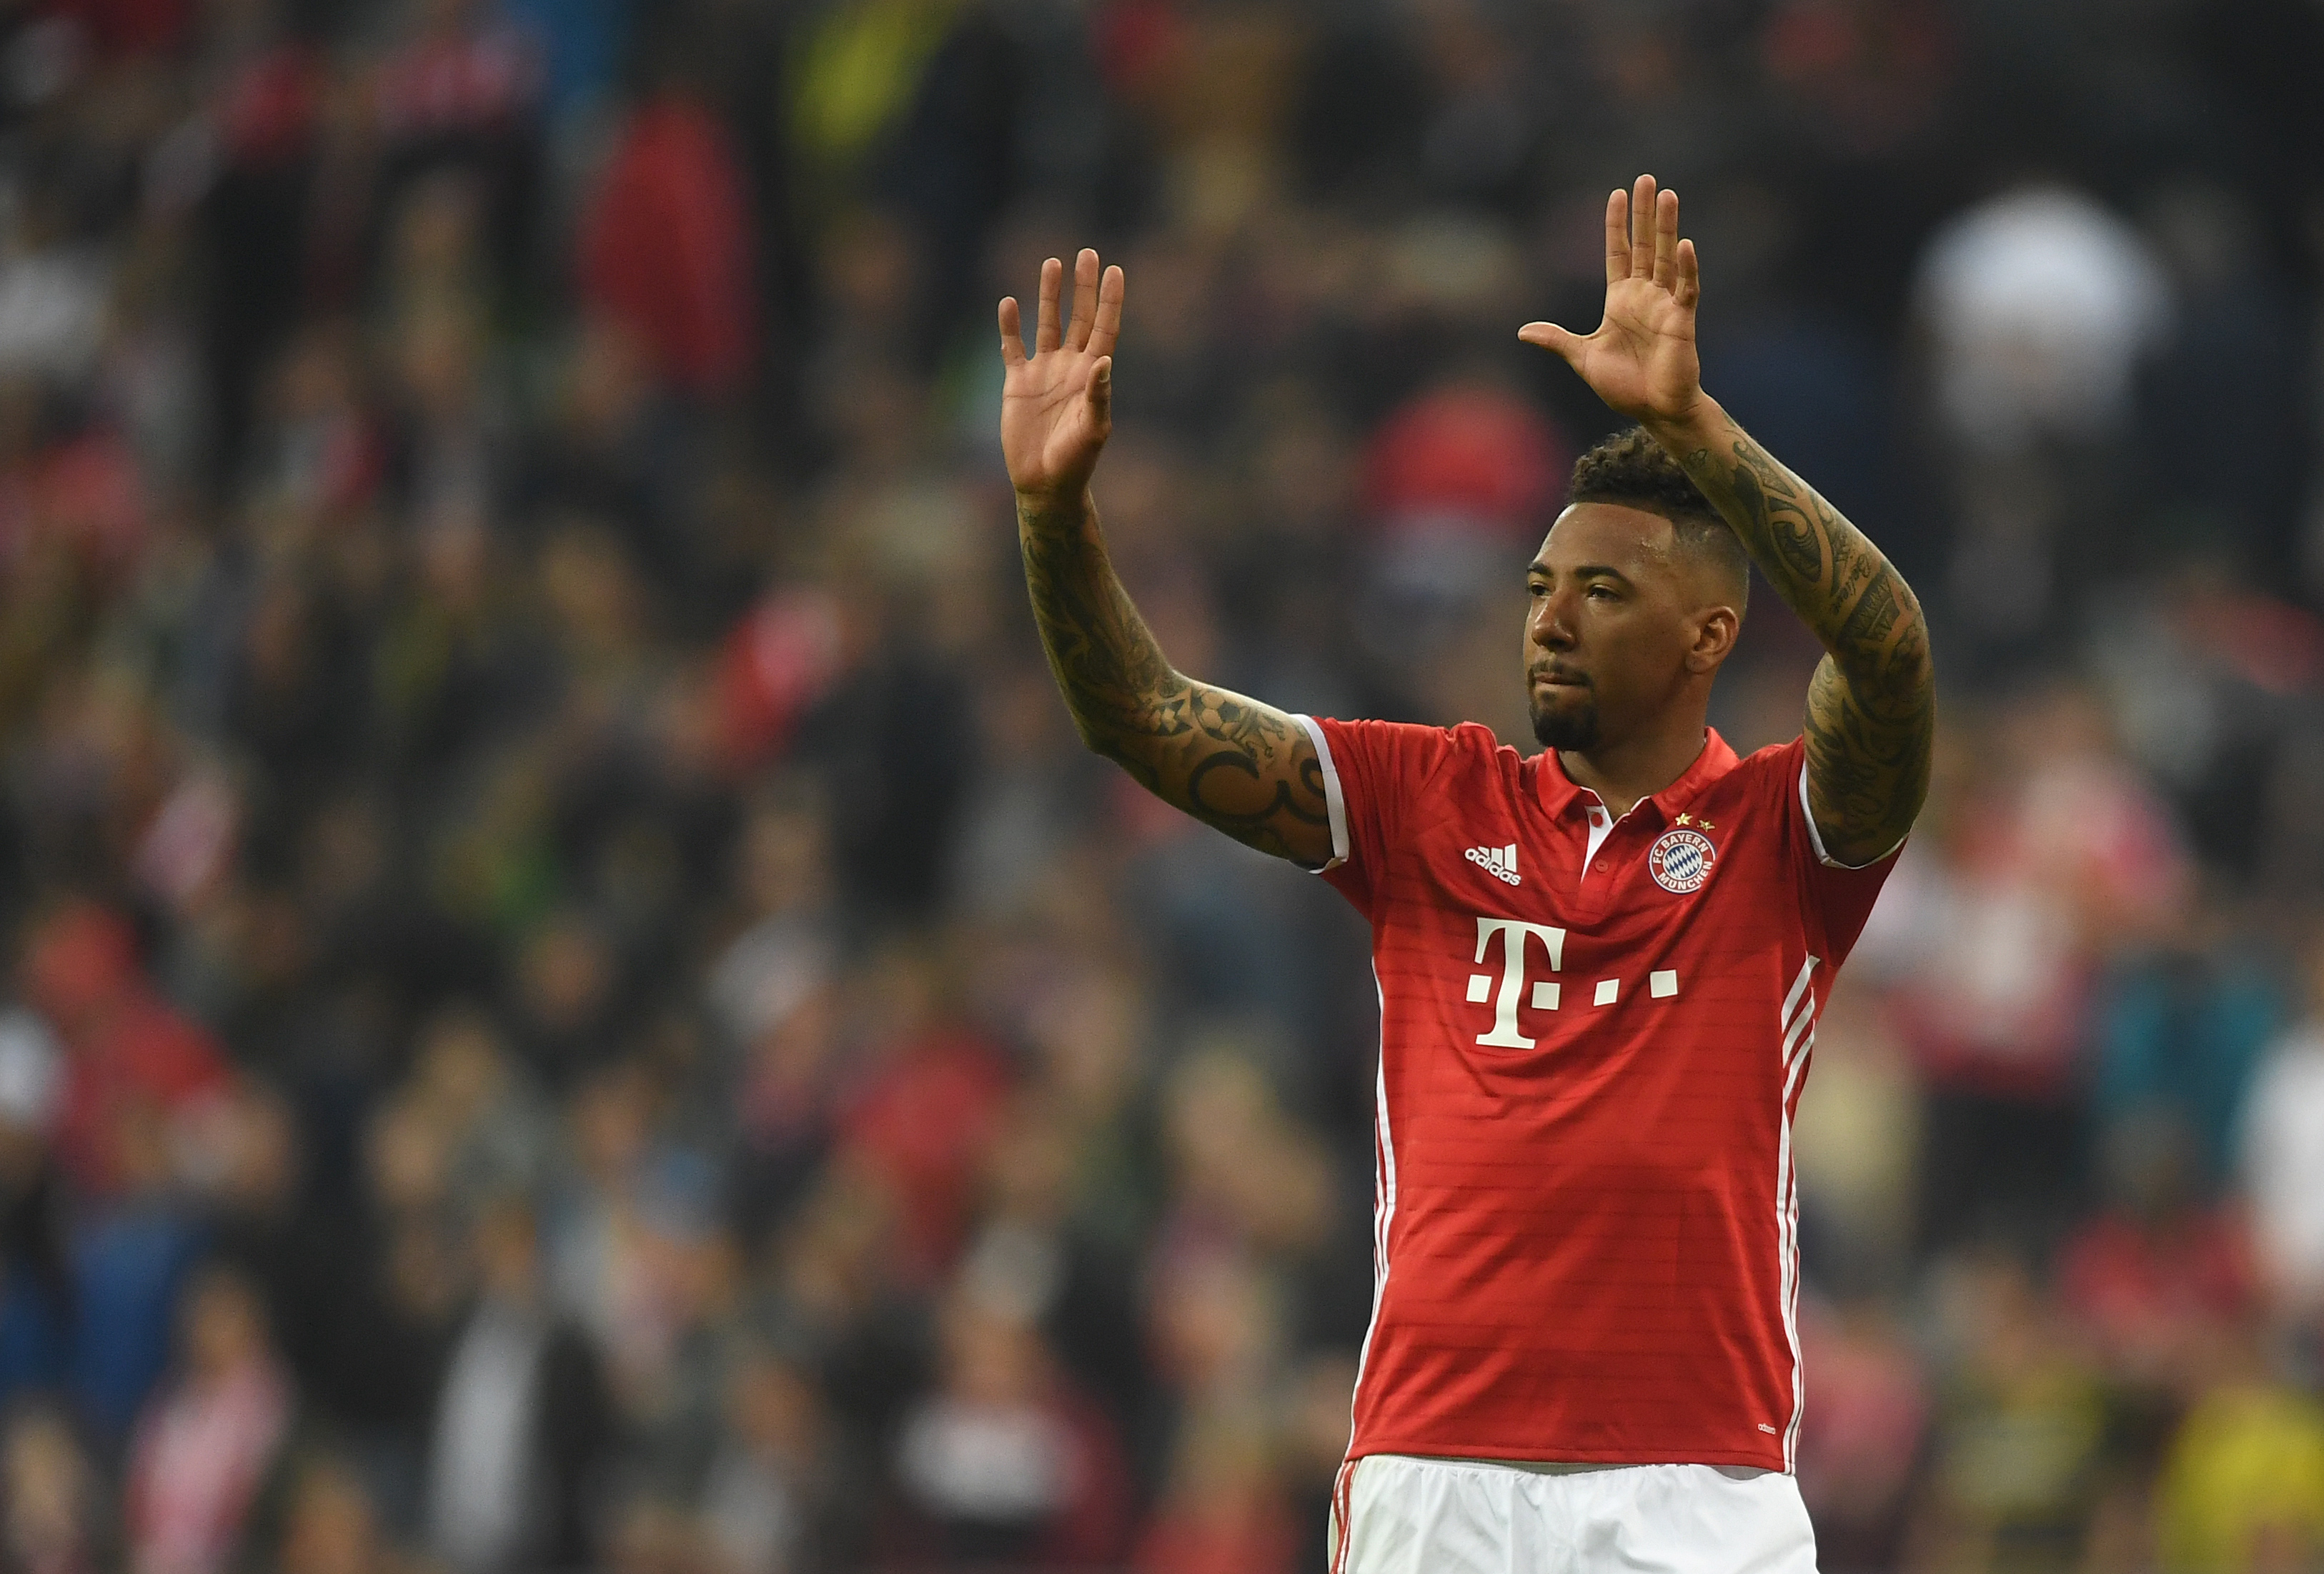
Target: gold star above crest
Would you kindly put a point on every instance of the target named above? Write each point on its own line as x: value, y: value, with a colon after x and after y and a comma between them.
x: 1690, y: 819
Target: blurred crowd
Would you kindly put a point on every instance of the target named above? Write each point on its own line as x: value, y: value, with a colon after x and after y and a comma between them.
x: 570, y: 1000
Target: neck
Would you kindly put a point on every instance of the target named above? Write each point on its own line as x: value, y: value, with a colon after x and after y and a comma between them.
x: 1637, y: 767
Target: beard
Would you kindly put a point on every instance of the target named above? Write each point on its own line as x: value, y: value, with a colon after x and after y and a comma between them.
x: 1573, y: 728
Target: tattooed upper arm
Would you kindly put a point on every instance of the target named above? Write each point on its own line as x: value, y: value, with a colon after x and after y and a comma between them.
x: 1871, y: 713
x: 1867, y: 772
x: 1246, y: 768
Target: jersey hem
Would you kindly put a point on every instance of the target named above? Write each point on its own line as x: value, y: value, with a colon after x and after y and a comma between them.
x: 1754, y: 1460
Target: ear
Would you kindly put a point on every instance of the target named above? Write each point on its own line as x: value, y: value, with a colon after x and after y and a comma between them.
x: 1711, y: 632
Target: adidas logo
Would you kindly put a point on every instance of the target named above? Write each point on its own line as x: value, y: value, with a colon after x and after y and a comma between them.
x: 1500, y: 863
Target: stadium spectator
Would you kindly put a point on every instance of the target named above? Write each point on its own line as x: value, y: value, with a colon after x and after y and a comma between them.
x: 53, y: 1513
x: 2243, y: 1486
x: 267, y: 1221
x: 771, y: 1494
x: 2282, y: 1153
x: 133, y: 1059
x: 665, y: 248
x: 36, y: 1294
x: 1003, y: 1460
x: 131, y: 1255
x: 207, y: 1445
x: 521, y: 1421
x: 329, y: 1523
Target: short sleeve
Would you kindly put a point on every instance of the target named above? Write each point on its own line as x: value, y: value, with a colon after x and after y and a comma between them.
x: 1372, y: 770
x: 1839, y: 896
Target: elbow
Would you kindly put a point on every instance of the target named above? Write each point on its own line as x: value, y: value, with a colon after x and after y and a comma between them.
x: 1913, y: 689
x: 1902, y: 682
x: 1104, y: 742
x: 1125, y: 732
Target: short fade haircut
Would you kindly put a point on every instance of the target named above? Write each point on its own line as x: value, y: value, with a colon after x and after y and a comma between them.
x: 1632, y: 470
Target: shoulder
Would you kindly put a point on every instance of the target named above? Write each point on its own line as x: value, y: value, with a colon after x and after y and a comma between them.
x: 1777, y: 762
x: 1470, y: 760
x: 1474, y: 742
x: 1405, y: 735
x: 1411, y: 752
x: 1764, y: 779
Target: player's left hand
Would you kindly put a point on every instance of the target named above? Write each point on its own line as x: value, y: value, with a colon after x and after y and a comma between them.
x: 1641, y: 361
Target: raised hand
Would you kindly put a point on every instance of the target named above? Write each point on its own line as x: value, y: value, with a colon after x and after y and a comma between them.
x: 1056, y: 407
x: 1871, y: 711
x: 1641, y: 360
x: 1231, y: 762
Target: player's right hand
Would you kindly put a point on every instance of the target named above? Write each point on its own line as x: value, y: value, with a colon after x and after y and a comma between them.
x: 1641, y: 360
x: 1057, y: 406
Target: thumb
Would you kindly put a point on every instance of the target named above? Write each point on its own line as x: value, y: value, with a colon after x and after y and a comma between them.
x: 1554, y: 339
x: 1101, y: 391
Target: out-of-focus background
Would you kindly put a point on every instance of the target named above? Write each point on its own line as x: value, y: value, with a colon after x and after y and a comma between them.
x: 572, y: 1002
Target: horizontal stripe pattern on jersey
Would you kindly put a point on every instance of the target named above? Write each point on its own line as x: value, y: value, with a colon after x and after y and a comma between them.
x: 1585, y: 1235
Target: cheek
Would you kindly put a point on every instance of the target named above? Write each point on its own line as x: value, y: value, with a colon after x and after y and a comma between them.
x: 1632, y: 657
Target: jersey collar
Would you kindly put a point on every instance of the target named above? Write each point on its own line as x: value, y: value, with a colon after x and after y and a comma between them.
x: 1558, y: 793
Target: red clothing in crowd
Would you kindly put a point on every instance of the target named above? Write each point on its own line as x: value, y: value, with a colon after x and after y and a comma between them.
x: 196, y: 1463
x: 128, y: 28
x: 84, y: 496
x: 2146, y: 1289
x: 268, y: 111
x: 1477, y: 455
x: 665, y: 247
x: 922, y: 1124
x: 458, y: 83
x: 1249, y: 1532
x: 129, y: 1048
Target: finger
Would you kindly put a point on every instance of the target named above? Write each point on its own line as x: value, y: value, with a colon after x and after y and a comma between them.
x: 1077, y: 331
x: 1689, y: 275
x: 1618, y: 236
x: 1109, y: 313
x: 1045, y: 331
x: 1012, y: 334
x: 1557, y: 340
x: 1100, y: 392
x: 1666, y: 240
x: 1642, y: 228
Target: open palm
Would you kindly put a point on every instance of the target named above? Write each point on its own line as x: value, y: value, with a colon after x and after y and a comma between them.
x: 1057, y: 406
x: 1641, y: 360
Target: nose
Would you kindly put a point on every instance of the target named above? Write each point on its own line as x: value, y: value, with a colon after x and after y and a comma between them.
x: 1551, y: 624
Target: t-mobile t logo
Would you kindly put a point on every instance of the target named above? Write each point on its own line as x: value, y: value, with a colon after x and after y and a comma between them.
x: 1513, y: 932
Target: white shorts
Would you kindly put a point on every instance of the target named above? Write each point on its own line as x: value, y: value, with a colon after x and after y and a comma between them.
x: 1396, y: 1514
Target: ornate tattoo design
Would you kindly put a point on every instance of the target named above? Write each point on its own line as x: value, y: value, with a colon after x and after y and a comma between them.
x: 1871, y: 715
x: 1231, y: 762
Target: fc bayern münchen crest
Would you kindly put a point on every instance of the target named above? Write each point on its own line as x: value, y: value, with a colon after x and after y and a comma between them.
x: 1680, y: 860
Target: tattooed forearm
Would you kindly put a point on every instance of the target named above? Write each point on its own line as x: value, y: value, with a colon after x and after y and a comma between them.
x: 1105, y: 660
x: 1871, y: 713
x: 1231, y: 762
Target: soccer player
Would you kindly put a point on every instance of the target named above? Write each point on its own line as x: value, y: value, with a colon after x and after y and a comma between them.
x: 1599, y: 968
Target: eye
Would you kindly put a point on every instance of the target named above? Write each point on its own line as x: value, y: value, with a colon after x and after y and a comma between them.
x: 1602, y: 593
x: 1536, y: 589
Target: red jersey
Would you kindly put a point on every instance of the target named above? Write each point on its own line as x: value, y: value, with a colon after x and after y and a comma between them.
x: 1593, y: 1033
